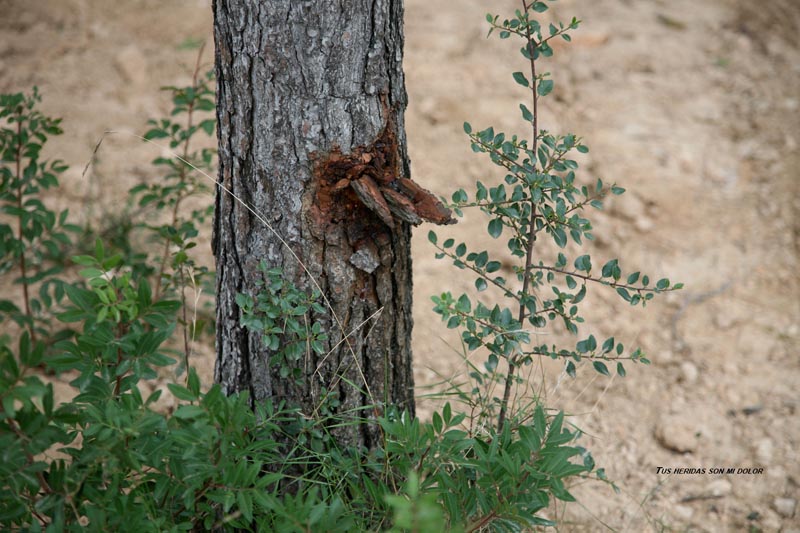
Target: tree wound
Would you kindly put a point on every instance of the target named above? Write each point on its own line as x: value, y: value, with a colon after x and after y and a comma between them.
x: 366, y: 188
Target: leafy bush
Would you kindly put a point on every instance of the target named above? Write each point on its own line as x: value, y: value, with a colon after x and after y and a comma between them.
x: 539, y: 196
x: 32, y: 237
x: 106, y: 460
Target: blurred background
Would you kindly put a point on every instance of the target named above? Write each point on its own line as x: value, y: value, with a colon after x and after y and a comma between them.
x: 693, y: 107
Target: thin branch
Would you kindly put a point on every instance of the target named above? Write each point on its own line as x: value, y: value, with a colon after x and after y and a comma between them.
x: 12, y: 423
x: 601, y: 281
x: 181, y: 175
x: 22, y: 263
x: 512, y: 364
x: 483, y: 275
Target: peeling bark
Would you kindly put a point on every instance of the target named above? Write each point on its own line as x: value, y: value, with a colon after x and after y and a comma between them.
x: 302, y: 84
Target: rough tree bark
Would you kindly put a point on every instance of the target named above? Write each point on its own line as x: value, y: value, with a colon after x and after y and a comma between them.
x: 310, y: 107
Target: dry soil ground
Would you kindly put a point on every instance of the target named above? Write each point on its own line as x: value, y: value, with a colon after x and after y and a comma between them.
x: 692, y: 106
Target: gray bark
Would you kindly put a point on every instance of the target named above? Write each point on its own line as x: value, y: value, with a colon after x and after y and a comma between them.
x: 300, y: 83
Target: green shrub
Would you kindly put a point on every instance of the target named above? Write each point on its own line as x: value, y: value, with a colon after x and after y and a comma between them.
x: 32, y: 236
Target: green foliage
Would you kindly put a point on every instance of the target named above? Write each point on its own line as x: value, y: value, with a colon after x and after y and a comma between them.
x: 124, y: 466
x: 164, y: 217
x: 107, y: 460
x: 278, y: 312
x: 32, y: 236
x: 105, y: 456
x: 123, y: 328
x: 481, y: 478
x: 181, y: 178
x: 455, y: 476
x: 540, y: 196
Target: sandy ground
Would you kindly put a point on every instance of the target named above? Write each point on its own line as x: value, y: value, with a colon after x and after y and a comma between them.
x: 692, y: 106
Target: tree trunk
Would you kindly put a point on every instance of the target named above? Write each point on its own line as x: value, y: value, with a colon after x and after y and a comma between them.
x: 310, y: 107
